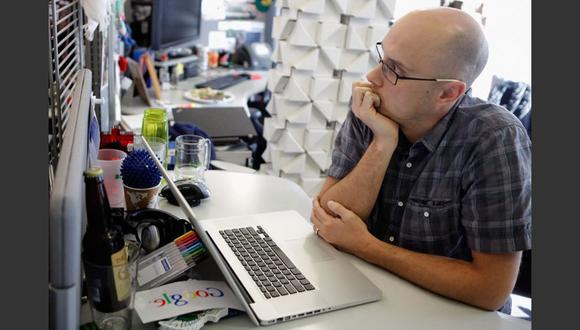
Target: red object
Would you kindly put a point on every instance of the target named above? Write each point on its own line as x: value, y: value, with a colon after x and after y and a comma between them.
x: 116, y: 139
x: 255, y: 76
x: 122, y: 64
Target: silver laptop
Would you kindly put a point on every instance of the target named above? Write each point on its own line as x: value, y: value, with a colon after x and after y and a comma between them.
x: 278, y: 268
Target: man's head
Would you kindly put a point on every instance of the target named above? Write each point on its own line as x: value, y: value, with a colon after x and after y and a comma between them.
x: 437, y: 43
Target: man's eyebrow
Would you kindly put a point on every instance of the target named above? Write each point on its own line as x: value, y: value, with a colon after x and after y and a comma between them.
x: 399, y: 65
x: 395, y: 62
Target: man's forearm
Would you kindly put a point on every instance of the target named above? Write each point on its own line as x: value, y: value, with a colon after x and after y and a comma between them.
x: 359, y: 189
x: 474, y: 283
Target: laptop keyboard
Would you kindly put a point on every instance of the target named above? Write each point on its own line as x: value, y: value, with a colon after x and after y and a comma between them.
x: 268, y: 266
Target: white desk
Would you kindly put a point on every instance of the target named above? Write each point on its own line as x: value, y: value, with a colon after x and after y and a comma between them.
x: 404, y: 305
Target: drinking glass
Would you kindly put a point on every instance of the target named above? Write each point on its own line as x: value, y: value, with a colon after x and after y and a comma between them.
x: 155, y: 125
x: 192, y: 156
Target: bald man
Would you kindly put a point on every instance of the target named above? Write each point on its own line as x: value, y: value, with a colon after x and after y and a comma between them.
x: 426, y: 181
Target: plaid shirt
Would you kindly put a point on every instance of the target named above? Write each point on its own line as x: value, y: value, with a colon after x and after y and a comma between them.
x: 465, y: 186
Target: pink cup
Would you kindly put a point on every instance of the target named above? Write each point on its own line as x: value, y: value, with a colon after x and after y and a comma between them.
x: 110, y: 161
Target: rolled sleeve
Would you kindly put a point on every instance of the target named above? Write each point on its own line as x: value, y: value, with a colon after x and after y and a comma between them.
x: 350, y: 144
x: 497, y: 200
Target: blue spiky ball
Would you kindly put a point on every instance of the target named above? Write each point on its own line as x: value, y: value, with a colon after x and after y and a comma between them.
x: 139, y: 170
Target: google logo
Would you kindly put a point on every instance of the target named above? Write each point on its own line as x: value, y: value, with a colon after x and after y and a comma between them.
x: 182, y: 299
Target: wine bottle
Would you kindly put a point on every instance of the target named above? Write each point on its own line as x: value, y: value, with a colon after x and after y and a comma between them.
x: 104, y: 254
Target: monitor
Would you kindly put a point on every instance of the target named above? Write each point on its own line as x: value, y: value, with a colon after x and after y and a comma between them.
x: 175, y: 23
x: 67, y: 215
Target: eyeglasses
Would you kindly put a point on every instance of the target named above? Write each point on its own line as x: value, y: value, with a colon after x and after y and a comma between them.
x: 393, y: 77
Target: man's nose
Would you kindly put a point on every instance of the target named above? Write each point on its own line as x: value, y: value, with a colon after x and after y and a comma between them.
x: 374, y: 76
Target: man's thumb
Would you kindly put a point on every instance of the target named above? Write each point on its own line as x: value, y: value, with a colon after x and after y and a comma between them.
x: 336, y: 208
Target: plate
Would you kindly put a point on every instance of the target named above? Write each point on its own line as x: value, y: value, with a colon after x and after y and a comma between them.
x: 208, y: 95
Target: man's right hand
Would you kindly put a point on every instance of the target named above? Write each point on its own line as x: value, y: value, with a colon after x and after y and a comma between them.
x: 364, y: 107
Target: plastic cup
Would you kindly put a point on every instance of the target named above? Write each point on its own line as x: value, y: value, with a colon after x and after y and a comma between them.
x: 110, y: 161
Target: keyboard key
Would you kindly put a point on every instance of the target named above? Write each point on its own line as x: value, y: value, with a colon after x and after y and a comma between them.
x: 303, y: 282
x: 282, y: 291
x: 277, y: 284
x: 270, y: 288
x: 300, y: 277
x: 275, y: 294
x: 290, y: 288
x: 309, y: 287
x: 267, y: 295
x: 297, y: 285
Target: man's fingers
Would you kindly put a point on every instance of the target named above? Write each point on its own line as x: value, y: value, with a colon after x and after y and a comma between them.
x: 368, y: 100
x: 361, y: 83
x: 338, y: 209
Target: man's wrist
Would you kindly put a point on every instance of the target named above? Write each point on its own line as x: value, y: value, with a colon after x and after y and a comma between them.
x: 383, y: 145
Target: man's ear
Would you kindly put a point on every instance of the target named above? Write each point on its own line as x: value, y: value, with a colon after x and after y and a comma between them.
x: 452, y: 91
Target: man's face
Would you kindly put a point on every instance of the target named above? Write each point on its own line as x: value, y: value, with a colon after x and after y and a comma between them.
x: 408, y: 101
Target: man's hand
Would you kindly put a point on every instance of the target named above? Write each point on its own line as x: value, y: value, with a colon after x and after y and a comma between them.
x: 346, y: 231
x: 364, y: 106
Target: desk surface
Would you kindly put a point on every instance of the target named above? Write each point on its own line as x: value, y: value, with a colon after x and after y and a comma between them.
x: 133, y: 112
x: 404, y: 305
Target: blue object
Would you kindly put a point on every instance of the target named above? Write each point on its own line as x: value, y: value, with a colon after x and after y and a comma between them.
x: 139, y: 170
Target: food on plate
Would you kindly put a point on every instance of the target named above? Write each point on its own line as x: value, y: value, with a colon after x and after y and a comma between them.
x: 208, y: 93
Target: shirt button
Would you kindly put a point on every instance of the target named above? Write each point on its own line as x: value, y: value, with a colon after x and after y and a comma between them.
x: 400, y: 204
x: 426, y: 214
x: 409, y: 165
x: 391, y: 238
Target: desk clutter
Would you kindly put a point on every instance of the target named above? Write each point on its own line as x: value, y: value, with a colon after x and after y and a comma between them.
x: 130, y: 246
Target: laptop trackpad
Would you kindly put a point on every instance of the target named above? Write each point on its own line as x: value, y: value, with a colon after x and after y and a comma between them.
x: 310, y: 249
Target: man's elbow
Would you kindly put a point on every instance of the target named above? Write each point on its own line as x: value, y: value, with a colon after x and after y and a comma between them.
x: 491, y: 302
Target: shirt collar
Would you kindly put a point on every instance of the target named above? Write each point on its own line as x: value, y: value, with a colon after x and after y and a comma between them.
x: 432, y: 140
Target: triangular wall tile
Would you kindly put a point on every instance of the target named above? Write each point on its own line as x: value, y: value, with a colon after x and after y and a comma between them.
x: 324, y: 89
x: 325, y: 108
x: 317, y: 119
x: 362, y: 8
x: 331, y: 34
x: 356, y: 37
x: 288, y: 143
x: 281, y: 27
x: 320, y: 158
x: 294, y: 91
x: 304, y: 33
x: 333, y: 55
x: 307, y: 6
x: 294, y: 164
x: 318, y: 139
x: 386, y: 8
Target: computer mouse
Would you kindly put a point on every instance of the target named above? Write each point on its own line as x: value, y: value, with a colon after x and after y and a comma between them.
x: 193, y: 192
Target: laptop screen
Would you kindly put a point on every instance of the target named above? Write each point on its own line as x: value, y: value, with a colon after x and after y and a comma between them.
x: 218, y: 122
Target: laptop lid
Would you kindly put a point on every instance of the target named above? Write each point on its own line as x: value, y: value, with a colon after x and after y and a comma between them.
x: 218, y: 122
x: 218, y: 258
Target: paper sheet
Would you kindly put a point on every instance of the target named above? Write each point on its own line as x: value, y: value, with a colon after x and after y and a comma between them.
x: 183, y: 297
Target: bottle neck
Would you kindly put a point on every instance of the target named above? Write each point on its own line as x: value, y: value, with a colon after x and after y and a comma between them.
x: 97, y: 203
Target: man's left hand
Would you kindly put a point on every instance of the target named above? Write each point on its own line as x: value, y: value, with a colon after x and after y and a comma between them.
x: 347, y: 231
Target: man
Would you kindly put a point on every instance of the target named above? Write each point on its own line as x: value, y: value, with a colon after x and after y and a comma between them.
x: 426, y: 181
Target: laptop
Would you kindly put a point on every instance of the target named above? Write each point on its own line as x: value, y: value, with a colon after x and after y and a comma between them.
x: 220, y: 123
x: 275, y: 264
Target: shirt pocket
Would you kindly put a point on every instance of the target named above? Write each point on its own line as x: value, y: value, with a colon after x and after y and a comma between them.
x: 431, y: 225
